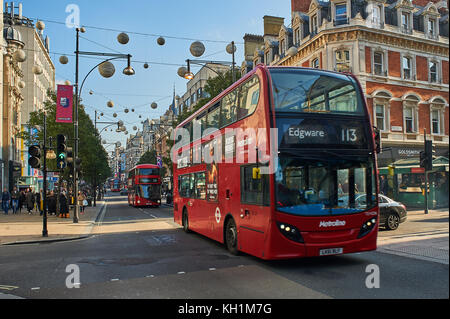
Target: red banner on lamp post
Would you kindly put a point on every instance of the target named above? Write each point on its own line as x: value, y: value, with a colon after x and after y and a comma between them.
x: 64, y: 104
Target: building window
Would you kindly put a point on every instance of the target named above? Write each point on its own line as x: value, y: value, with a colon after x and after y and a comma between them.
x: 343, y: 61
x: 409, y: 119
x: 341, y: 14
x: 377, y: 15
x: 315, y: 63
x: 406, y: 66
x: 433, y: 69
x: 282, y: 47
x: 380, y: 116
x: 314, y: 25
x: 435, y: 122
x: 297, y: 37
x: 378, y: 65
x: 432, y: 28
x: 405, y: 22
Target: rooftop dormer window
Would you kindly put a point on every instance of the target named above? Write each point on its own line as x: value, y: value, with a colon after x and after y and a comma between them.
x: 341, y: 14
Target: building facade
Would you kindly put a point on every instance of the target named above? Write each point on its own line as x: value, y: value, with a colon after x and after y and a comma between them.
x: 399, y: 51
x: 38, y: 73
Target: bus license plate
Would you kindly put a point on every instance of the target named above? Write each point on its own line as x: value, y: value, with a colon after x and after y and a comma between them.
x: 331, y: 251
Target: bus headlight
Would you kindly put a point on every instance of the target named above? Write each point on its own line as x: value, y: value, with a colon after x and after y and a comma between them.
x: 367, y: 227
x: 290, y: 232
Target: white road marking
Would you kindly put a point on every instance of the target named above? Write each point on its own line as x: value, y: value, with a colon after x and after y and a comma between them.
x: 181, y: 273
x: 36, y: 288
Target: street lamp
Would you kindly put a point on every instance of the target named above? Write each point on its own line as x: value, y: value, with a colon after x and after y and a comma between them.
x: 78, y: 90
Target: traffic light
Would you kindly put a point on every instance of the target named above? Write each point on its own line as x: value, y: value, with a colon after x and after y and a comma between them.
x: 61, y: 150
x: 69, y: 158
x: 429, y: 153
x: 78, y: 164
x: 423, y: 159
x: 35, y: 156
x: 377, y: 139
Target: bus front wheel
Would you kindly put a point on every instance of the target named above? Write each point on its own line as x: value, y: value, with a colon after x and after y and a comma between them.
x: 185, y: 221
x: 231, y: 239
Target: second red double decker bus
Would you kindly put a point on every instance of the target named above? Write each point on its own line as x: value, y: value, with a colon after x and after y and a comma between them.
x: 144, y: 186
x: 282, y: 164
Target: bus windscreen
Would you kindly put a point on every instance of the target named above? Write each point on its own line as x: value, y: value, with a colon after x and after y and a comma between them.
x: 303, y: 91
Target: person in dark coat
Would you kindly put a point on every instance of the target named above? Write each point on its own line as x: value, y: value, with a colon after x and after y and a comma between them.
x: 63, y: 206
x: 6, y: 199
x: 29, y: 197
x: 51, y: 203
x: 22, y: 200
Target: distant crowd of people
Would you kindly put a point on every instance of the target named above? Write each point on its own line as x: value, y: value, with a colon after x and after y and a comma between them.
x: 34, y: 201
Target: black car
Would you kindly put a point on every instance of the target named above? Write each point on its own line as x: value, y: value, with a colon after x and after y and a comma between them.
x: 392, y: 213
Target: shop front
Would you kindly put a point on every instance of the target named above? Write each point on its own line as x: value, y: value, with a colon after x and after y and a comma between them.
x: 406, y: 182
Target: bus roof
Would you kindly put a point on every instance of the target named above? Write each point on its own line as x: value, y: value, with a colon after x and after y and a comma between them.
x: 145, y: 166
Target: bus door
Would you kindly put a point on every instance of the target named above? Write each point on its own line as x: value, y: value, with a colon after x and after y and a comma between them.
x: 254, y: 211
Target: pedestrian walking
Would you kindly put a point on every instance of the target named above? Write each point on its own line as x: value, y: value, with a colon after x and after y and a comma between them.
x: 37, y: 201
x: 29, y: 198
x: 22, y: 200
x: 15, y: 196
x: 51, y: 203
x: 63, y: 206
x: 6, y: 198
x: 81, y: 201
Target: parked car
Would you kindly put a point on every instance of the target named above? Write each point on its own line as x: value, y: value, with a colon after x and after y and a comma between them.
x: 392, y: 213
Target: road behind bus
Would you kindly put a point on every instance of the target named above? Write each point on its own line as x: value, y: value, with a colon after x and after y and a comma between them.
x: 141, y: 253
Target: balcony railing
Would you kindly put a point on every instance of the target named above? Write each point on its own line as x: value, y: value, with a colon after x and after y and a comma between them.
x: 406, y: 29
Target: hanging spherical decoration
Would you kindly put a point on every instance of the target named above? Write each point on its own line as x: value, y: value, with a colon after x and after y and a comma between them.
x: 110, y: 104
x: 135, y: 128
x: 182, y: 71
x: 123, y: 38
x: 154, y: 105
x: 115, y: 115
x: 197, y: 49
x: 292, y: 51
x: 120, y: 123
x: 132, y: 110
x: 126, y: 132
x: 101, y: 114
x: 36, y: 69
x: 106, y: 69
x: 231, y: 48
x: 140, y: 116
x: 20, y: 56
x: 127, y: 110
x: 161, y: 41
x: 67, y: 82
x: 63, y: 59
x: 40, y: 25
x: 145, y: 65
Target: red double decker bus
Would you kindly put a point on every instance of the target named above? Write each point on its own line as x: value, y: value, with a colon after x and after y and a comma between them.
x: 282, y: 164
x: 116, y: 185
x: 144, y: 185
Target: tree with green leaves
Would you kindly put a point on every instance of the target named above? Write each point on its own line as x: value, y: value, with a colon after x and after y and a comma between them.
x: 94, y: 158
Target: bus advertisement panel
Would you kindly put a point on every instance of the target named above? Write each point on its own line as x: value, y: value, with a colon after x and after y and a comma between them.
x: 144, y: 186
x: 280, y: 165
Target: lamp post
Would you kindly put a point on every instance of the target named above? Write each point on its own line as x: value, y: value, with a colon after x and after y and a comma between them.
x: 107, y: 72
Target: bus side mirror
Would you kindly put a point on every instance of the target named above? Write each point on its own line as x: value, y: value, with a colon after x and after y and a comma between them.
x: 377, y: 138
x: 256, y: 173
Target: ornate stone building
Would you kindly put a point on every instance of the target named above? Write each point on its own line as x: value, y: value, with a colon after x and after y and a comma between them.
x: 398, y: 49
x: 13, y: 83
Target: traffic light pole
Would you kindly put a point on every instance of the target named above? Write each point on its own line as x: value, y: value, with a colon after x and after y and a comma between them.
x: 426, y: 173
x: 44, y: 193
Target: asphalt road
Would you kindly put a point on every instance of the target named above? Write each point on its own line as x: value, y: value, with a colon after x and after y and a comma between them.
x: 141, y: 253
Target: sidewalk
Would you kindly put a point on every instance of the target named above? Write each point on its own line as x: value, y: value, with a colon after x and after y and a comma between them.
x: 422, y: 236
x: 24, y: 228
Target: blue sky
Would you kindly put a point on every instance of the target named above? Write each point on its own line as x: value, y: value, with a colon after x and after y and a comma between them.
x: 197, y: 19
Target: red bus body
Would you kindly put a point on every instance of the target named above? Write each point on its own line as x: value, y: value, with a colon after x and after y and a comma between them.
x: 144, y: 186
x: 258, y: 226
x: 116, y: 185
